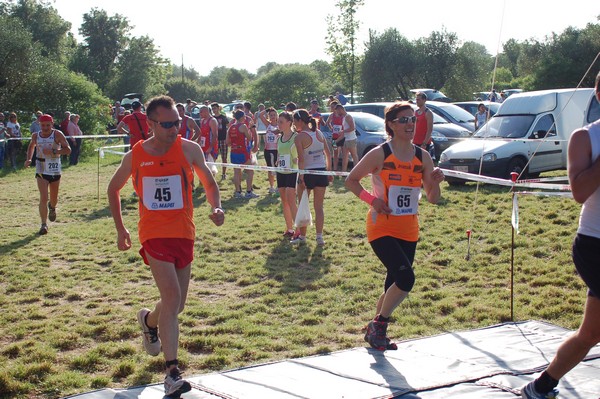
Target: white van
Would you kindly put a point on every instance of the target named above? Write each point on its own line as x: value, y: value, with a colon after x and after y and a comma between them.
x: 512, y: 137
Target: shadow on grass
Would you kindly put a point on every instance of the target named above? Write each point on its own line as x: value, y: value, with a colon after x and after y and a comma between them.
x: 14, y: 245
x: 296, y: 267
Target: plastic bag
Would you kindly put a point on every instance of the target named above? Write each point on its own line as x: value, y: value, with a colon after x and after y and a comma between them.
x: 212, y: 166
x: 303, y: 216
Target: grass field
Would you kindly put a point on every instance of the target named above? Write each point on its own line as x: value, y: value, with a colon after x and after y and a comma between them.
x: 68, y: 299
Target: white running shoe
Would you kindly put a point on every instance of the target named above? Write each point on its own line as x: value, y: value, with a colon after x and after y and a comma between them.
x: 250, y: 195
x: 320, y: 241
x: 298, y: 240
x: 150, y: 337
x: 175, y: 385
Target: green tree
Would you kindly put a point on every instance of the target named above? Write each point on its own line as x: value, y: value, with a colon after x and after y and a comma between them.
x: 341, y: 42
x: 139, y: 69
x: 389, y: 67
x: 298, y: 83
x: 567, y: 57
x: 437, y: 58
x: 263, y: 70
x: 105, y: 38
x: 471, y: 72
x: 182, y: 90
x: 46, y: 26
x: 511, y: 53
x: 20, y: 59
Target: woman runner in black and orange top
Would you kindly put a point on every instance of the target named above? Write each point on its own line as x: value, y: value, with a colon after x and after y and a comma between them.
x: 398, y: 169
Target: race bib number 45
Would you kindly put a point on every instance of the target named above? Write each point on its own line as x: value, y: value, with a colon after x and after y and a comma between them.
x: 404, y: 200
x: 162, y: 193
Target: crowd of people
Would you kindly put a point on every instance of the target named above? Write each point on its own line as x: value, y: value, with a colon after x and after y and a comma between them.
x: 168, y: 148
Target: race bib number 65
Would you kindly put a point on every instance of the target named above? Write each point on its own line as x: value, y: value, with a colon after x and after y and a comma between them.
x: 162, y: 193
x: 404, y: 200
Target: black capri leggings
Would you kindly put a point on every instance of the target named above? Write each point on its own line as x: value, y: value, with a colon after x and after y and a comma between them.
x: 397, y: 256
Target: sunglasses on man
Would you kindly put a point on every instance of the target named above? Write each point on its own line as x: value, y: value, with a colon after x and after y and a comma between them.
x: 169, y: 124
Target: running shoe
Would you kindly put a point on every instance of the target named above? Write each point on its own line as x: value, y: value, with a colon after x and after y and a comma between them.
x: 150, y: 335
x: 51, y: 213
x: 288, y: 234
x: 223, y: 177
x: 320, y: 241
x: 175, y: 385
x: 529, y: 392
x: 43, y: 229
x: 298, y: 240
x: 272, y: 190
x: 237, y: 194
x: 250, y: 195
x: 376, y: 335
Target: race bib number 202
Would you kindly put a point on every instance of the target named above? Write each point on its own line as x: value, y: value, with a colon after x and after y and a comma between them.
x: 162, y: 193
x: 52, y: 166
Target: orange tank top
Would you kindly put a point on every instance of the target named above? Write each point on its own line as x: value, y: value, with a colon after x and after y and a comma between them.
x: 164, y: 187
x: 399, y: 185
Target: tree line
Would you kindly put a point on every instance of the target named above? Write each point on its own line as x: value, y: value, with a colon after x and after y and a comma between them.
x: 43, y: 66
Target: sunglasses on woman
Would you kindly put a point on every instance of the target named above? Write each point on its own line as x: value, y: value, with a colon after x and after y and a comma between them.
x: 405, y: 119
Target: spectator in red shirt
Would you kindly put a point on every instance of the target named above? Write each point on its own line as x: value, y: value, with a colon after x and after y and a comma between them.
x: 135, y: 125
x: 64, y: 125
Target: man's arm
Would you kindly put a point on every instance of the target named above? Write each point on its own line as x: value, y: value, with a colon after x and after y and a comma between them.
x: 584, y: 175
x: 194, y: 128
x: 121, y: 128
x: 65, y: 148
x: 432, y: 177
x: 30, y: 148
x: 350, y: 121
x: 194, y: 154
x: 114, y: 201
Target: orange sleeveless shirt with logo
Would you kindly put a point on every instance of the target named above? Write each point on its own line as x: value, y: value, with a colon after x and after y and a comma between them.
x: 164, y: 187
x: 399, y: 185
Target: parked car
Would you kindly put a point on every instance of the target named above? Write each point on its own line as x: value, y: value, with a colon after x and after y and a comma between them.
x: 370, y: 131
x: 510, y: 92
x: 128, y: 99
x: 453, y: 114
x: 444, y: 134
x: 432, y: 95
x: 472, y: 106
x: 510, y: 141
x: 195, y: 114
x: 228, y: 108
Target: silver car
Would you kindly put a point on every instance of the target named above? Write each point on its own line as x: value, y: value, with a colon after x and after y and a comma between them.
x: 370, y: 131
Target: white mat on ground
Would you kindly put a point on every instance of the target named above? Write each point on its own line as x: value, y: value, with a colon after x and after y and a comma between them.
x: 492, y: 362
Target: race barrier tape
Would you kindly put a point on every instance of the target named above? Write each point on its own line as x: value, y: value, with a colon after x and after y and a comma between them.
x: 91, y: 136
x: 546, y: 194
x: 278, y: 169
x: 531, y: 183
x: 505, y: 182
